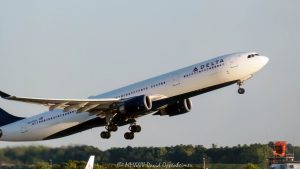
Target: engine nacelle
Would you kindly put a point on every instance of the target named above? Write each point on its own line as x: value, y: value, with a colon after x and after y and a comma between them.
x: 136, y: 104
x: 180, y: 107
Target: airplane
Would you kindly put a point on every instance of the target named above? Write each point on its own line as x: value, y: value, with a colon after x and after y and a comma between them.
x: 167, y: 94
x: 90, y: 164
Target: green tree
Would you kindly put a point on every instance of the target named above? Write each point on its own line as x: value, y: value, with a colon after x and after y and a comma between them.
x: 71, y: 165
x: 42, y: 165
x: 251, y: 166
x: 97, y: 166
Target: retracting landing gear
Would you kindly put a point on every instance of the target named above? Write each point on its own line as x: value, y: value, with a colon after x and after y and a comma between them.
x: 110, y: 127
x: 133, y: 129
x: 241, y: 90
x: 129, y: 135
x: 105, y: 134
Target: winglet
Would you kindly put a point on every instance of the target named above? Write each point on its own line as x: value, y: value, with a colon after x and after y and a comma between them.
x: 4, y: 95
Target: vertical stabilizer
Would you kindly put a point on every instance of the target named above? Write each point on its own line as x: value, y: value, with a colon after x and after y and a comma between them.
x: 90, y: 164
x: 6, y: 118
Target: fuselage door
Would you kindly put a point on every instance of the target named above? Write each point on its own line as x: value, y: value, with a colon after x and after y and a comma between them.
x: 175, y: 80
x: 24, y: 128
x: 233, y: 62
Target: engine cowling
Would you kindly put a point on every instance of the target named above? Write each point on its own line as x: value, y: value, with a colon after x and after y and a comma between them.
x: 180, y: 107
x: 136, y: 104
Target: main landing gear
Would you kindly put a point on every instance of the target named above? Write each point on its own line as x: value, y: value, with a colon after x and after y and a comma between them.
x: 241, y: 90
x: 133, y: 129
x: 112, y: 127
x: 109, y: 128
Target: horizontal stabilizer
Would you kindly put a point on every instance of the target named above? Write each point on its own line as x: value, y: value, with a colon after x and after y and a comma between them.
x: 4, y: 95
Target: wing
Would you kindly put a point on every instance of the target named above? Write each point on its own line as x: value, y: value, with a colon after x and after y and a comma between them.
x: 81, y: 105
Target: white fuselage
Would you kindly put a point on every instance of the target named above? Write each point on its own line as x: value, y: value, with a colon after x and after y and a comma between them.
x: 223, y: 69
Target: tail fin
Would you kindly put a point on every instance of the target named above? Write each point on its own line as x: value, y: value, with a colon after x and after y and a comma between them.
x: 6, y: 118
x: 90, y: 164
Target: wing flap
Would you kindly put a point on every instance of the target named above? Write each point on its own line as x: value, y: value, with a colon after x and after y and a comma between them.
x: 58, y: 106
x: 87, y: 108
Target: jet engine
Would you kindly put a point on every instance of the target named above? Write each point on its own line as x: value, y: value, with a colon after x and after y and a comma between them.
x: 136, y: 105
x: 180, y: 107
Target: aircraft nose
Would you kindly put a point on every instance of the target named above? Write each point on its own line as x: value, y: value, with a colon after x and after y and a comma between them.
x: 264, y: 60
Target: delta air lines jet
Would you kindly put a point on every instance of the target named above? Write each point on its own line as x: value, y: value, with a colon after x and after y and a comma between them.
x: 167, y: 94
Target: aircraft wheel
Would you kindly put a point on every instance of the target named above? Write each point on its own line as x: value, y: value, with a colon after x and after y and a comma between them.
x: 135, y: 128
x: 112, y: 127
x: 129, y: 135
x: 241, y: 90
x: 115, y: 128
x: 138, y: 128
x: 105, y: 135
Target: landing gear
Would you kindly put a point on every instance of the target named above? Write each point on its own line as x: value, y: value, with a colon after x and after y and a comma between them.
x: 241, y: 90
x: 133, y: 129
x: 110, y: 128
x: 129, y: 135
x: 105, y: 134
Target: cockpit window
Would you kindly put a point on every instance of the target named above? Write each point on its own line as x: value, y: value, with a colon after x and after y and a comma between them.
x: 252, y: 55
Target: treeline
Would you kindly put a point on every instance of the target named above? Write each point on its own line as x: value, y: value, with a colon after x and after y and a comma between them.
x: 186, y: 154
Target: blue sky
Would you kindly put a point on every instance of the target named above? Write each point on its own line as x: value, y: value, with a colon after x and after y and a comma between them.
x: 74, y: 49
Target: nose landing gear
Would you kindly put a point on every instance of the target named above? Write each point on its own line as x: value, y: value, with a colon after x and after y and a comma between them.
x: 241, y: 90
